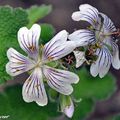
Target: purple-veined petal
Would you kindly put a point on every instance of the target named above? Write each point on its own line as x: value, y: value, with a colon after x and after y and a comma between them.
x: 34, y: 90
x: 105, y: 62
x: 18, y: 63
x: 29, y: 39
x: 94, y: 69
x: 108, y: 25
x: 115, y: 54
x: 82, y: 37
x: 58, y: 47
x: 87, y: 13
x: 102, y: 64
x: 60, y: 80
x: 80, y: 58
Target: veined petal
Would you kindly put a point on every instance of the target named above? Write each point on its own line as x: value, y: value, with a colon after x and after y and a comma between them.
x: 87, y: 13
x: 108, y: 25
x: 80, y: 58
x: 82, y: 37
x: 33, y: 89
x: 18, y: 63
x: 58, y: 47
x: 105, y: 62
x: 86, y: 6
x: 94, y: 69
x: 102, y: 65
x: 115, y: 54
x: 29, y: 39
x: 60, y: 80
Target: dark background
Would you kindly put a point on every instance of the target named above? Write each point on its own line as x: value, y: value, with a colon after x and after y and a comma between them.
x: 60, y: 18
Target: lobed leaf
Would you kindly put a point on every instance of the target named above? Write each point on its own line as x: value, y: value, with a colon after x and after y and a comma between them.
x: 36, y: 13
x: 94, y: 87
x: 83, y: 109
x: 47, y: 32
x: 10, y: 22
x: 12, y: 104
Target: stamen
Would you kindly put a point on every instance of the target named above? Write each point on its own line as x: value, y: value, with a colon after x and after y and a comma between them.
x: 32, y: 48
x: 50, y: 58
x: 91, y: 50
x: 37, y: 85
x: 114, y: 33
x: 17, y: 70
x: 20, y: 62
x: 42, y: 46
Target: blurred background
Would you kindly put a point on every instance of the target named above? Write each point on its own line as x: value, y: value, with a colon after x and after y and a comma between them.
x: 60, y: 18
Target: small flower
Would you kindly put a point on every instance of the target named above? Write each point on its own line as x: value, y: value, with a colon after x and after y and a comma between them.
x: 69, y: 59
x: 66, y: 106
x: 36, y: 62
x: 99, y: 39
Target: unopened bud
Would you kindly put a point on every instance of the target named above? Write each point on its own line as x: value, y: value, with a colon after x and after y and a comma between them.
x: 67, y: 106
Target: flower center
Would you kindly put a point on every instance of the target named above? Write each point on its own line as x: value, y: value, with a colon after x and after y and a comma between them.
x: 39, y: 63
x: 100, y: 36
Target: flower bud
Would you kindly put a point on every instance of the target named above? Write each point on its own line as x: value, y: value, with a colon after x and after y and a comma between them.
x: 66, y: 105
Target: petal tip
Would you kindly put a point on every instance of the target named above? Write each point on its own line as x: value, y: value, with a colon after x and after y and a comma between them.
x: 36, y: 26
x: 64, y: 32
x: 93, y: 74
x: 75, y: 16
x: 43, y: 103
x: 7, y: 68
x: 9, y: 52
x: 101, y: 75
x: 77, y: 79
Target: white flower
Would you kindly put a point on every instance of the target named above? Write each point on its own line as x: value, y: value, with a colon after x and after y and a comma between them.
x: 36, y: 62
x: 99, y: 36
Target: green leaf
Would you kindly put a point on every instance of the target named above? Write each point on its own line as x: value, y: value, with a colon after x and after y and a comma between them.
x: 47, y: 32
x: 10, y: 22
x: 94, y: 87
x: 12, y: 104
x: 116, y: 117
x: 36, y: 13
x: 83, y: 109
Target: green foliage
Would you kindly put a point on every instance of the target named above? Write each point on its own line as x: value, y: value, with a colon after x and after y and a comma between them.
x: 47, y: 32
x: 116, y: 117
x: 12, y: 104
x: 90, y: 89
x: 53, y: 95
x: 10, y: 22
x: 35, y: 13
x: 94, y: 87
x: 82, y: 109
